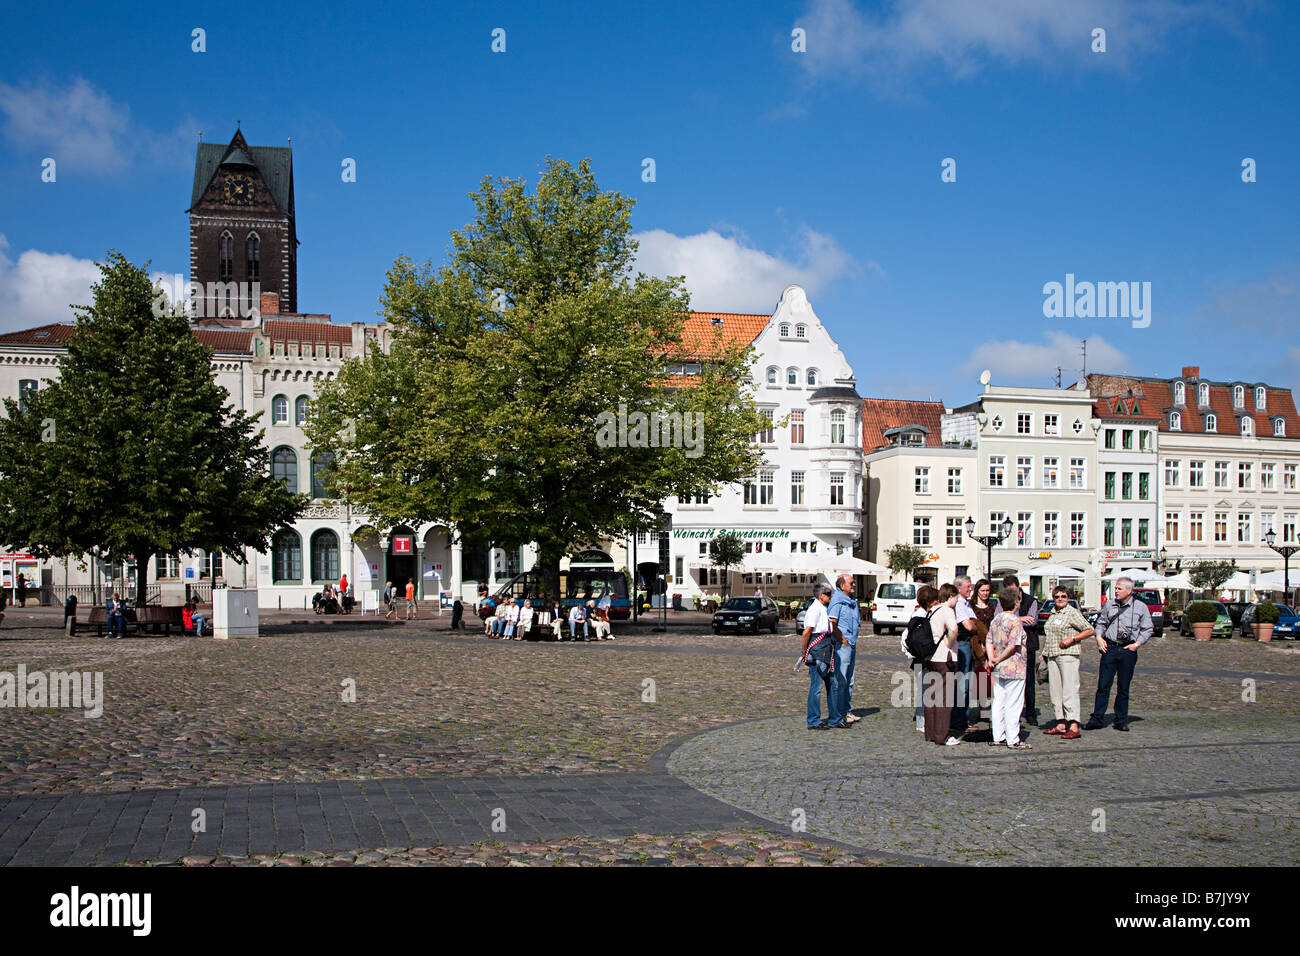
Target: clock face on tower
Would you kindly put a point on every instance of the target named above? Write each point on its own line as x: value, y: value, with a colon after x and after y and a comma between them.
x: 238, y: 190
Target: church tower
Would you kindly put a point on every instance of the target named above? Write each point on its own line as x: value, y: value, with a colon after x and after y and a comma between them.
x: 243, y: 241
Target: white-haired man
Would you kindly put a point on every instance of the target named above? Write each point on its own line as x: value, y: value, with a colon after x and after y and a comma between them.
x: 1123, y: 626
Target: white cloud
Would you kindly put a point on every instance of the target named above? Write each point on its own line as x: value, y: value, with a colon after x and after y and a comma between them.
x: 40, y: 287
x: 82, y: 127
x: 962, y: 35
x: 1027, y: 363
x: 724, y: 274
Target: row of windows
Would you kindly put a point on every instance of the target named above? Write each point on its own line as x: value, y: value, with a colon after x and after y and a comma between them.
x: 1051, y: 474
x: 1126, y: 533
x: 286, y: 557
x: 1022, y: 536
x: 1212, y: 424
x: 252, y: 257
x: 284, y: 465
x: 839, y: 427
x: 800, y: 330
x: 1238, y: 395
x: 1220, y: 523
x: 169, y: 566
x: 1126, y: 486
x: 796, y: 547
x: 1051, y: 424
x: 762, y: 491
x: 1268, y: 476
x: 1125, y: 436
x: 280, y: 410
x: 811, y: 376
x: 921, y: 480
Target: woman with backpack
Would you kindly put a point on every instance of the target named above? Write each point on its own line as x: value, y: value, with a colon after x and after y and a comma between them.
x: 941, y: 615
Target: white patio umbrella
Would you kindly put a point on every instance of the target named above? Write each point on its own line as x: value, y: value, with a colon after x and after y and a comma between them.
x: 1139, y: 575
x: 1055, y: 571
x: 1273, y: 581
x: 1177, y: 582
x: 1240, y: 581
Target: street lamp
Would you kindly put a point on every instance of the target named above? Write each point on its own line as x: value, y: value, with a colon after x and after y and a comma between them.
x: 1163, y: 563
x: 989, y: 540
x: 1286, y: 551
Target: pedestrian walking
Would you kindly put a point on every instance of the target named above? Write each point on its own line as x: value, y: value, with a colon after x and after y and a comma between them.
x: 818, y: 652
x: 390, y: 599
x: 22, y: 590
x: 411, y: 610
x: 1066, y: 629
x: 1006, y: 646
x: 1123, y: 626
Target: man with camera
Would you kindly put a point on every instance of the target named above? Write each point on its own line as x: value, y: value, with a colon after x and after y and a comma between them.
x: 1123, y: 626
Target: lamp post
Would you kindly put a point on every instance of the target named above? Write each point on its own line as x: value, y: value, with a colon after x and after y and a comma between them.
x: 989, y: 540
x: 1163, y: 564
x: 1286, y: 551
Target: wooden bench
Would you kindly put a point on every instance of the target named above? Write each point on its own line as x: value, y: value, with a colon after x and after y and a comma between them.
x: 99, y: 619
x: 153, y: 618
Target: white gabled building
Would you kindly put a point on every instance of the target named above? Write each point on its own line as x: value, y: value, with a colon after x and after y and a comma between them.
x: 801, y: 512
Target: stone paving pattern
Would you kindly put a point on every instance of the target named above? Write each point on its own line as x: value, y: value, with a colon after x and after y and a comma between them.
x: 183, y: 712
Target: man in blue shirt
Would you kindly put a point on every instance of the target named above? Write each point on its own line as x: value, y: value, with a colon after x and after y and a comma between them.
x: 845, y: 621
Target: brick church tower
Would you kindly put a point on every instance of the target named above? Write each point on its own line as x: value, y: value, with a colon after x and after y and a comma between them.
x: 243, y: 239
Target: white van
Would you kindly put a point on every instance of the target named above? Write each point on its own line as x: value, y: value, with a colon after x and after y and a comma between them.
x: 893, y: 607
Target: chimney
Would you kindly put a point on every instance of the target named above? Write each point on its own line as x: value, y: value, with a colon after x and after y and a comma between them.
x: 1191, y: 371
x: 270, y: 303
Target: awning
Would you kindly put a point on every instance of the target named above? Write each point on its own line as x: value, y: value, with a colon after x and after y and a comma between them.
x: 1054, y: 571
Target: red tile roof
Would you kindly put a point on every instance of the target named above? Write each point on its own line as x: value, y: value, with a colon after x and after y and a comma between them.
x: 52, y: 335
x: 881, y: 414
x: 56, y: 335
x: 282, y: 330
x: 1128, y: 407
x: 699, y: 332
x: 1159, y: 400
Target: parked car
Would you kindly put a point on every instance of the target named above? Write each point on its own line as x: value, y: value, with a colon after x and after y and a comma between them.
x: 1286, y: 621
x: 893, y: 607
x: 1235, y: 610
x: 1045, y: 609
x: 1222, y: 624
x: 747, y: 614
x: 1151, y: 598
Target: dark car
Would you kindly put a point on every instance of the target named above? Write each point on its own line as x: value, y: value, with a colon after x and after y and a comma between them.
x: 747, y: 614
x: 1235, y: 610
x: 1285, y: 626
x: 1045, y: 609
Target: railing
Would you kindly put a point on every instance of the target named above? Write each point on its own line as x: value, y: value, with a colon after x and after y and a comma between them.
x: 89, y: 595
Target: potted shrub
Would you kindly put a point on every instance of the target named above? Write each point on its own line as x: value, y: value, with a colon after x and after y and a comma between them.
x: 1266, y: 616
x: 1201, y: 615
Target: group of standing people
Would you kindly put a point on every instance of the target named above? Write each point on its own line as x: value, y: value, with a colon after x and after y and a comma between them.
x: 976, y: 635
x: 391, y: 595
x: 830, y: 649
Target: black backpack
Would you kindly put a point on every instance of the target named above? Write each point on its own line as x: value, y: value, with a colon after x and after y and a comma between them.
x: 920, y: 640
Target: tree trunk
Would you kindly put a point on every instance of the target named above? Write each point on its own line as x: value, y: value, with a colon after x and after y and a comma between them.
x: 548, y: 572
x: 141, y: 577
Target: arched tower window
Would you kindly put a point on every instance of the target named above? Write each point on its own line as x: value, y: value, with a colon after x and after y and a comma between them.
x: 253, y: 253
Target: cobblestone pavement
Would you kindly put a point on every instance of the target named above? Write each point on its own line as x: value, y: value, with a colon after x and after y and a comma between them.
x: 1181, y: 788
x: 188, y: 713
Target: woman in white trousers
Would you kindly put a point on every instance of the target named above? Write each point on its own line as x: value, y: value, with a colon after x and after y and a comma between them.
x: 1006, y: 649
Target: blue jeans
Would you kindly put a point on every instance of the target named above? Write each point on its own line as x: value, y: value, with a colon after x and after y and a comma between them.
x: 847, y: 656
x: 573, y: 630
x: 958, y: 720
x: 200, y: 622
x: 822, y: 675
x: 1116, y: 662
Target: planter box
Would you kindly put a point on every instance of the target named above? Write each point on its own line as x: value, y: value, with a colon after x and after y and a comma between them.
x: 1264, y: 632
x: 1204, y: 630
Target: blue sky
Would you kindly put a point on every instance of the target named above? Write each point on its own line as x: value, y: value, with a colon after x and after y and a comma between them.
x: 772, y: 166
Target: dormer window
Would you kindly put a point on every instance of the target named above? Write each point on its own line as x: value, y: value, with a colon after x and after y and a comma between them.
x: 1203, y: 393
x: 1211, y: 423
x: 1247, y: 425
x: 801, y: 332
x: 1260, y: 397
x: 1238, y: 396
x: 785, y: 330
x: 1180, y: 393
x: 1175, y: 422
x: 1279, y: 428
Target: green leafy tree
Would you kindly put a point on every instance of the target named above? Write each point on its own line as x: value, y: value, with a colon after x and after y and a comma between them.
x: 134, y: 449
x: 1209, y: 575
x: 905, y: 559
x: 499, y: 404
x: 726, y: 551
